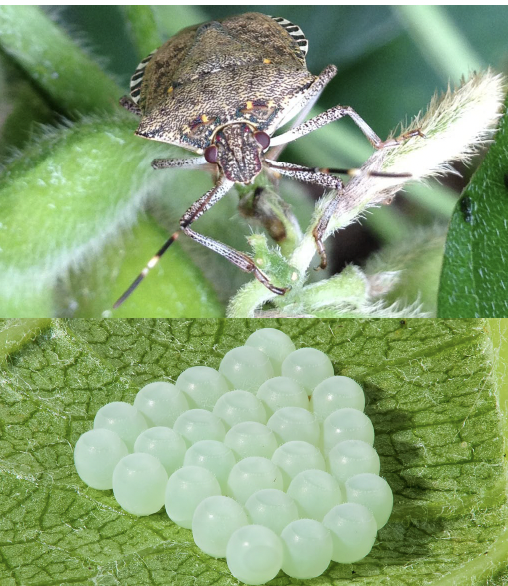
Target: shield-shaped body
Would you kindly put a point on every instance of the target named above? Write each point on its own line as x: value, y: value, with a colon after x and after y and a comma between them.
x: 246, y: 68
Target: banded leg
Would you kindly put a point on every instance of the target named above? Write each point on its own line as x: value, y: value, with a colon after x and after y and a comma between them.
x: 323, y: 178
x: 206, y: 201
x: 241, y: 260
x: 320, y: 229
x: 336, y: 113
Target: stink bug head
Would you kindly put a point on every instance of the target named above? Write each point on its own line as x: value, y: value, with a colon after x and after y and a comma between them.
x: 239, y: 152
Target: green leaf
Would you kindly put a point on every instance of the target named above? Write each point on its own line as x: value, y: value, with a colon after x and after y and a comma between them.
x: 433, y: 393
x: 474, y: 278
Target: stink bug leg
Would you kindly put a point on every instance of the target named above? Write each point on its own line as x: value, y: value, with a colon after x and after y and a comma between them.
x: 129, y: 104
x: 336, y: 113
x: 242, y: 261
x: 318, y: 176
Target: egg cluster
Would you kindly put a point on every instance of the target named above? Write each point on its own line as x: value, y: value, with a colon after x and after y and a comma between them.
x: 269, y: 460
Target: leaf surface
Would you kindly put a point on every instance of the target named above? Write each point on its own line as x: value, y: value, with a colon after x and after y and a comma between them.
x: 474, y: 277
x: 430, y: 394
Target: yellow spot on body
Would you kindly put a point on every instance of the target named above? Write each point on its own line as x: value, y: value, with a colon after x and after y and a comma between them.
x: 249, y: 105
x: 170, y: 89
x: 205, y: 119
x: 271, y: 103
x: 266, y: 61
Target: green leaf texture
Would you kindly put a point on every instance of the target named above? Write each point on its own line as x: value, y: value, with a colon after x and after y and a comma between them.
x: 474, y: 278
x: 431, y: 392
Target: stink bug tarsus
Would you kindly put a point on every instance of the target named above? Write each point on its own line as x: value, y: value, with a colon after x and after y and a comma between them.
x: 221, y: 90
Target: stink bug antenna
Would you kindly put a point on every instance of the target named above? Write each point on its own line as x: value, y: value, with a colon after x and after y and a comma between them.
x: 356, y: 171
x: 151, y: 263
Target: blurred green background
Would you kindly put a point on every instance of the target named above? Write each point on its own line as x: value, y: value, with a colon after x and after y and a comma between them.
x: 390, y: 62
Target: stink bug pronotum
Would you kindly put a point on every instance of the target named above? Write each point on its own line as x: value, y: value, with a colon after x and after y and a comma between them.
x: 221, y: 90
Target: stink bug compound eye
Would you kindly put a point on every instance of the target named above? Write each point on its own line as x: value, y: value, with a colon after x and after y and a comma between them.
x: 221, y: 90
x: 293, y: 492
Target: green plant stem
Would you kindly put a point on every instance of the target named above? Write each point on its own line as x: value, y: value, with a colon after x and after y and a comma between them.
x: 389, y: 224
x: 435, y: 198
x: 440, y: 41
x: 174, y: 18
x: 142, y: 28
x: 74, y: 83
x: 335, y: 145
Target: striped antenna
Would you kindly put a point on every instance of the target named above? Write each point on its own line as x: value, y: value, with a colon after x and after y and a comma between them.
x: 355, y: 172
x: 151, y: 263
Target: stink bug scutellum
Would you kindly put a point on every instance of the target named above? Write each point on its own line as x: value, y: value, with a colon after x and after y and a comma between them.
x: 221, y: 90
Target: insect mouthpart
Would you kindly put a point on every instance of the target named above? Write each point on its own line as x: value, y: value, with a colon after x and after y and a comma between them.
x: 239, y: 152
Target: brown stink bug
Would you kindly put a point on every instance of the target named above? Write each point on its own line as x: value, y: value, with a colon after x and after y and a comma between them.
x: 221, y: 90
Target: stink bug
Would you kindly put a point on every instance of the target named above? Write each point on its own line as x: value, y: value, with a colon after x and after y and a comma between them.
x: 221, y: 90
